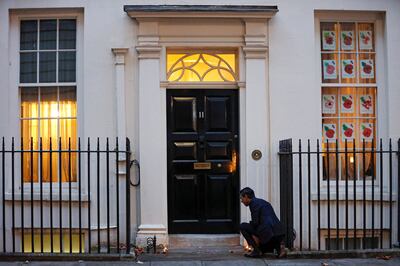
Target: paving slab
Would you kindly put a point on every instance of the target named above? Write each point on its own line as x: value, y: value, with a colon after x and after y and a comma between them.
x: 176, y: 263
x: 249, y: 262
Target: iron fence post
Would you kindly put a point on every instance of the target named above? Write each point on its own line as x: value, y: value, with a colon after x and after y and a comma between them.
x: 128, y: 197
x: 286, y: 189
x: 398, y: 190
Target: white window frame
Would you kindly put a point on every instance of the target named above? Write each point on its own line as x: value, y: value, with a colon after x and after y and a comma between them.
x: 38, y: 50
x: 381, y: 92
x: 16, y: 16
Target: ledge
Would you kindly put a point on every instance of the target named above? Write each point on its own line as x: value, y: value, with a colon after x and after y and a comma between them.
x: 359, y: 196
x: 206, y: 11
x: 202, y: 85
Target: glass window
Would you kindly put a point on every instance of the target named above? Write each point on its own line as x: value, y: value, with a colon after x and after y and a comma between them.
x: 48, y: 51
x: 48, y: 109
x: 49, y: 114
x: 198, y: 67
x: 47, y: 242
x: 348, y: 98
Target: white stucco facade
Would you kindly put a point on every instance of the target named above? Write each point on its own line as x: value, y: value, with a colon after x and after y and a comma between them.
x: 121, y: 81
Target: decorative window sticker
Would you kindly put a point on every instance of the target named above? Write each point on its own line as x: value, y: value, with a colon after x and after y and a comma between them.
x: 348, y: 68
x: 347, y: 131
x: 328, y: 40
x: 347, y: 103
x: 328, y: 104
x: 366, y: 130
x: 329, y: 67
x: 347, y: 40
x: 366, y: 105
x: 365, y: 40
x: 330, y: 132
x: 367, y: 68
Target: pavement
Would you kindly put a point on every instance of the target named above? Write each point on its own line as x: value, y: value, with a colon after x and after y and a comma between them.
x: 237, y: 262
x: 229, y: 256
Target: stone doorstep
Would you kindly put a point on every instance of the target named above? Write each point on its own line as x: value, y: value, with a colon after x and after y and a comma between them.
x: 183, y: 241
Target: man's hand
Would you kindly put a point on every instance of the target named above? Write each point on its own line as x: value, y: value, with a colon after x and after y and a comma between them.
x: 256, y: 239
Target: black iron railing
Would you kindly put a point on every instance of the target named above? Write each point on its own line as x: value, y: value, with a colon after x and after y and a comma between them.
x: 336, y: 197
x: 67, y: 199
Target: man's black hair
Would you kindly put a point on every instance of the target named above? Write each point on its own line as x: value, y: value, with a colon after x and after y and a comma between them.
x: 248, y: 192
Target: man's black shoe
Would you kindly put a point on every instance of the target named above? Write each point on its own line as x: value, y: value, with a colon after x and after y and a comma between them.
x: 254, y: 254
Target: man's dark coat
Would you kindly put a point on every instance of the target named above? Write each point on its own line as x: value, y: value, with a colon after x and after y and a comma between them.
x: 264, y: 220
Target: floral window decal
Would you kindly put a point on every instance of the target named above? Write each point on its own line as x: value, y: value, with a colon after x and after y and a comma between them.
x: 202, y: 67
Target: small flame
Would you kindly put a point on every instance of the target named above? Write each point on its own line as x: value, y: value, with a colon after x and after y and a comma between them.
x: 165, y: 250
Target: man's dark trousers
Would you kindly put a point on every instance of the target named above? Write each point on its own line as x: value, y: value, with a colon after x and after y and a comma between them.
x: 264, y: 224
x: 248, y: 231
x: 272, y: 243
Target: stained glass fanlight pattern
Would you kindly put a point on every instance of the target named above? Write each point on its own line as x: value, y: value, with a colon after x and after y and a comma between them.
x: 202, y: 67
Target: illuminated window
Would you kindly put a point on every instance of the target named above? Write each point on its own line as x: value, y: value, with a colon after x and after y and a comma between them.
x: 48, y: 113
x: 200, y: 67
x: 349, y: 96
x: 48, y: 98
x: 56, y: 242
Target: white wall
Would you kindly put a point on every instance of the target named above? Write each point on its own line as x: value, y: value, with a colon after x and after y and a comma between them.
x: 294, y: 86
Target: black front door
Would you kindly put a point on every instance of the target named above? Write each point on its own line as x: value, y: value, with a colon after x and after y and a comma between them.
x: 203, y: 161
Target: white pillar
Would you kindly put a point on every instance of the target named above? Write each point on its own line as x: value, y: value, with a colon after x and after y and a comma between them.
x: 257, y: 107
x: 152, y: 138
x: 120, y: 92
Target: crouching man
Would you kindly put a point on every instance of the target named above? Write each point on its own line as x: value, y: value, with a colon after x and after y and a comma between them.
x: 264, y: 232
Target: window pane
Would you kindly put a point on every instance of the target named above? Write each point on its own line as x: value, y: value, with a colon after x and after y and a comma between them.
x: 66, y: 66
x: 347, y: 37
x: 67, y: 28
x: 329, y: 40
x: 67, y: 102
x: 29, y: 129
x: 28, y: 35
x: 366, y: 37
x: 348, y: 68
x: 29, y: 102
x: 366, y: 101
x: 329, y: 167
x: 48, y: 34
x: 330, y: 68
x: 68, y: 133
x: 48, y: 129
x: 329, y: 102
x: 47, y: 67
x: 350, y: 163
x: 367, y: 68
x: 364, y: 159
x: 28, y: 65
x: 190, y: 67
x: 48, y: 102
x: 348, y: 102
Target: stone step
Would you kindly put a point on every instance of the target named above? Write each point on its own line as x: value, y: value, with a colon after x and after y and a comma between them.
x: 179, y: 241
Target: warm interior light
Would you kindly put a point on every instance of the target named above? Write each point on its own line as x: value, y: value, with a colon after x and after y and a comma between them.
x: 165, y: 250
x: 232, y: 164
x: 351, y: 159
x: 52, y: 124
x: 198, y: 67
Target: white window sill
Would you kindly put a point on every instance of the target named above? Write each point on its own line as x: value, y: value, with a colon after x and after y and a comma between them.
x: 359, y: 196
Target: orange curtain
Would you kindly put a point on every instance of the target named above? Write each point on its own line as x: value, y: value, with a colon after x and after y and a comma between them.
x: 50, y: 125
